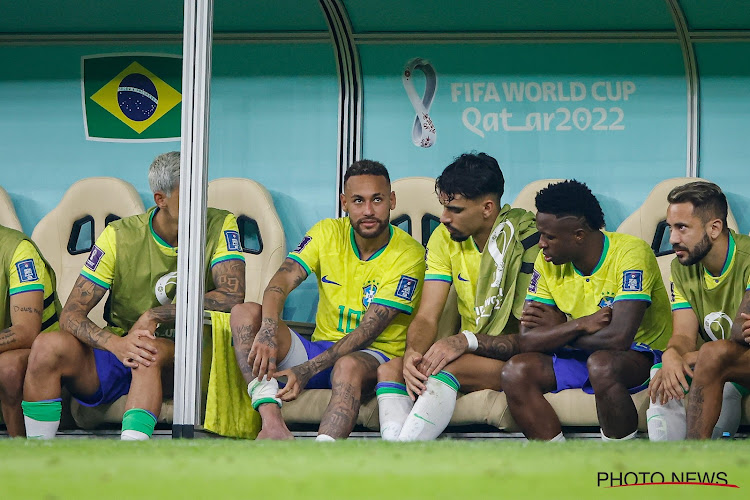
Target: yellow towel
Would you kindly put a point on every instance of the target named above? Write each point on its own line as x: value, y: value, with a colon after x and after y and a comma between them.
x: 229, y: 411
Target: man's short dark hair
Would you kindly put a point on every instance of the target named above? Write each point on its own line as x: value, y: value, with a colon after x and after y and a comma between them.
x: 471, y: 175
x: 366, y: 167
x: 708, y: 201
x: 571, y: 198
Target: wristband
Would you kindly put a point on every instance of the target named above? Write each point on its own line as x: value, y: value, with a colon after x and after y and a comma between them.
x: 472, y: 340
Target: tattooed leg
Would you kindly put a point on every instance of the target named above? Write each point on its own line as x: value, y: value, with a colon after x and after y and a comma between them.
x: 352, y: 376
x: 244, y: 321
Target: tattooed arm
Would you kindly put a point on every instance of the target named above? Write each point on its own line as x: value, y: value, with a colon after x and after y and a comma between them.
x: 229, y: 277
x: 375, y: 320
x: 132, y: 349
x: 262, y: 357
x: 25, y: 319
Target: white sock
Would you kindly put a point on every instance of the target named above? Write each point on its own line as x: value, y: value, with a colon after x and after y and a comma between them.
x: 263, y: 391
x: 626, y: 438
x: 394, y: 405
x: 558, y: 439
x: 667, y: 422
x: 37, y: 429
x: 731, y: 412
x: 324, y: 438
x: 433, y: 410
x: 131, y: 435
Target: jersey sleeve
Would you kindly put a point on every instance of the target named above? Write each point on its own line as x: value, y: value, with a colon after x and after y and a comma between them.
x: 438, y: 263
x: 100, y: 265
x: 229, y: 248
x: 307, y: 253
x: 538, y: 290
x: 638, y: 273
x: 676, y: 300
x: 402, y: 287
x: 27, y: 271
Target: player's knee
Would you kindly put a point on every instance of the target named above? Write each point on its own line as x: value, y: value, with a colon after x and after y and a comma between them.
x: 391, y: 371
x: 51, y: 351
x: 248, y: 313
x: 602, y: 367
x: 518, y: 374
x: 349, y: 369
x: 12, y: 373
x: 713, y: 357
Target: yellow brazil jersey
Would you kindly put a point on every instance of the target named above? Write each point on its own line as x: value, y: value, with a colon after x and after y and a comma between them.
x: 627, y: 270
x: 347, y: 285
x: 677, y: 298
x: 28, y: 273
x: 458, y: 263
x: 103, y: 271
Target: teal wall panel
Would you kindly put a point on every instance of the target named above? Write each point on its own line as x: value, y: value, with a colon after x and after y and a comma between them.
x: 717, y: 15
x: 725, y: 107
x: 619, y: 165
x: 273, y: 119
x: 508, y: 15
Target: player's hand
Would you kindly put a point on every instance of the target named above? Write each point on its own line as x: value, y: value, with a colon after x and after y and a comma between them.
x: 136, y: 348
x: 262, y: 356
x: 536, y: 314
x: 442, y: 352
x: 413, y: 378
x: 746, y: 327
x: 670, y: 382
x: 594, y: 322
x: 297, y: 378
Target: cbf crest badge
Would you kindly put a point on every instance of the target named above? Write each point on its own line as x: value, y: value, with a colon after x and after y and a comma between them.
x: 368, y: 293
x: 606, y: 302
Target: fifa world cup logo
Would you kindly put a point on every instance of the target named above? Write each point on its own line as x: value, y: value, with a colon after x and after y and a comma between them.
x: 423, y: 132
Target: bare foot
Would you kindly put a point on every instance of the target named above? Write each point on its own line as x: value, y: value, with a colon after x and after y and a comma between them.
x: 277, y: 434
x: 273, y: 423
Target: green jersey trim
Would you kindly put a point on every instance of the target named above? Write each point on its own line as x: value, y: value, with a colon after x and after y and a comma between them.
x: 158, y: 238
x: 605, y: 249
x: 299, y: 261
x: 438, y: 277
x: 678, y: 306
x: 636, y: 296
x: 37, y: 287
x: 549, y: 302
x: 226, y: 258
x: 94, y: 279
x: 376, y: 254
x: 727, y: 260
x: 395, y: 305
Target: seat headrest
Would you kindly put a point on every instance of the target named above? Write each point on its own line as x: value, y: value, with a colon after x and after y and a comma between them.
x: 8, y: 217
x: 253, y: 206
x: 644, y: 222
x: 88, y: 205
x: 526, y: 198
x: 416, y: 201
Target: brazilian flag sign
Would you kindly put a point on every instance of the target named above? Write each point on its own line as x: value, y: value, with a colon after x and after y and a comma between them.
x: 132, y: 97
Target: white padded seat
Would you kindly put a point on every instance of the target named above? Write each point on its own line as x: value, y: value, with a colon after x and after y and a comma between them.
x: 644, y: 222
x: 8, y: 217
x: 96, y: 197
x: 247, y: 199
x: 526, y: 198
x: 416, y: 199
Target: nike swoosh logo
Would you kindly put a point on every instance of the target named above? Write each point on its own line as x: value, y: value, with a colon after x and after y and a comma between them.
x: 461, y: 278
x: 325, y: 279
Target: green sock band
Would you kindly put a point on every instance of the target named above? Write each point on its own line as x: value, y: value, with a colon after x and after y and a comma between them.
x: 139, y: 420
x: 43, y: 411
x: 448, y: 379
x: 390, y: 388
x: 744, y: 391
x: 262, y: 401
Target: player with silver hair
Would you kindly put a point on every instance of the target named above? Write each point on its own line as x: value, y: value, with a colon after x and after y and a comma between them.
x: 134, y: 259
x: 710, y: 274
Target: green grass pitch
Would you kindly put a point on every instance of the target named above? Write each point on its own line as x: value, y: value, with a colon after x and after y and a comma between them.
x: 360, y: 469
